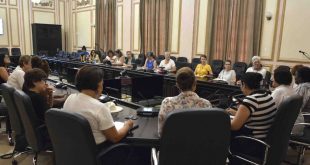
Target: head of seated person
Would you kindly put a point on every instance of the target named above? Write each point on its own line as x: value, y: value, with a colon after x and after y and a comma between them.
x: 227, y: 65
x: 250, y: 82
x: 4, y: 60
x: 36, y: 62
x: 256, y: 63
x: 150, y: 62
x: 25, y: 62
x: 167, y: 56
x: 84, y: 48
x: 89, y: 80
x: 281, y: 77
x: 302, y: 75
x: 110, y: 55
x: 185, y: 79
x: 35, y: 80
x: 119, y: 57
x: 203, y: 59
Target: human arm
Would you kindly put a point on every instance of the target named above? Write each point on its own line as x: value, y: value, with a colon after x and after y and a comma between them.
x: 240, y: 118
x: 4, y: 74
x: 114, y: 135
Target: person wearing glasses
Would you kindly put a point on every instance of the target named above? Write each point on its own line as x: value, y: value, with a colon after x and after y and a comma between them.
x: 228, y: 74
x: 40, y: 94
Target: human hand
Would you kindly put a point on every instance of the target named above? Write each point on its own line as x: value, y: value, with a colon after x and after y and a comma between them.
x: 231, y: 111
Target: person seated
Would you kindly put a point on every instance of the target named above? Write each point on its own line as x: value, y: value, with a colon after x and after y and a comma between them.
x: 4, y: 63
x: 168, y: 64
x: 110, y: 57
x: 40, y: 94
x: 293, y: 71
x: 94, y: 57
x: 203, y: 69
x: 16, y: 78
x: 254, y: 116
x: 228, y: 74
x: 303, y: 89
x: 37, y: 62
x: 282, y: 80
x: 150, y: 62
x: 187, y: 99
x: 84, y: 54
x: 257, y: 67
x: 130, y: 59
x: 120, y: 59
x: 89, y: 83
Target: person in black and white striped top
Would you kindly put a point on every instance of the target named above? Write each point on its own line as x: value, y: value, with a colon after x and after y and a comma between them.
x: 255, y: 115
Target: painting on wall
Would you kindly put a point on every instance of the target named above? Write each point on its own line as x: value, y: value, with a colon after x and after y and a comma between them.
x: 43, y: 4
x: 2, y: 2
x: 82, y: 3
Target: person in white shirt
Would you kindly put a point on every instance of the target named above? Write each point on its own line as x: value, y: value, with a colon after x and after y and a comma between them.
x: 110, y: 57
x: 228, y: 74
x: 167, y: 63
x: 89, y: 82
x: 119, y: 58
x: 257, y: 67
x: 16, y: 78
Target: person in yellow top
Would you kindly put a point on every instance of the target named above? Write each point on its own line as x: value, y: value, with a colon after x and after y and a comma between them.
x: 203, y: 69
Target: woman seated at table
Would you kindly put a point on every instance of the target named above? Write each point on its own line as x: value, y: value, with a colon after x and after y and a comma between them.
x: 84, y: 54
x: 254, y: 116
x: 40, y: 94
x: 94, y: 57
x: 130, y: 59
x: 150, y: 62
x: 120, y: 59
x: 203, y: 69
x: 187, y: 99
x: 110, y: 57
x: 89, y: 82
x: 228, y: 74
x: 168, y: 64
x: 4, y: 63
x: 257, y: 66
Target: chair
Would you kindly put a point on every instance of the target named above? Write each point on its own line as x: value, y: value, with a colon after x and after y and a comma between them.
x: 36, y: 134
x: 182, y: 59
x: 20, y: 140
x: 195, y: 62
x: 275, y: 147
x: 240, y: 68
x: 4, y: 51
x: 302, y: 141
x: 194, y: 137
x: 15, y: 52
x: 159, y: 58
x: 180, y: 65
x: 217, y: 66
x: 4, y: 115
x: 267, y: 81
x: 74, y: 143
x: 173, y: 58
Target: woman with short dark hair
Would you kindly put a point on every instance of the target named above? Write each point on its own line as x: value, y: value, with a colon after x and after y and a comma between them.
x: 120, y: 59
x: 4, y: 63
x: 203, y: 69
x: 150, y: 62
x: 187, y: 99
x: 89, y: 82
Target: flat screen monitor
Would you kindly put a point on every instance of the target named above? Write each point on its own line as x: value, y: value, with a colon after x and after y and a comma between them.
x: 146, y: 87
x: 1, y: 26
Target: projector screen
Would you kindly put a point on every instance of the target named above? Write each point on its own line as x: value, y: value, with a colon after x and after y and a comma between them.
x: 1, y: 26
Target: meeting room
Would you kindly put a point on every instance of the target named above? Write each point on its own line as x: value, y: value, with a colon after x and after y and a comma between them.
x: 154, y: 82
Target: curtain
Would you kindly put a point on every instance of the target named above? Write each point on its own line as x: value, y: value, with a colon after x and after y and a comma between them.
x: 154, y: 25
x: 105, y: 25
x: 236, y: 29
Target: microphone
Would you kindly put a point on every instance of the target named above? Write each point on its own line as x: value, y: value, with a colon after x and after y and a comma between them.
x: 112, y: 89
x: 305, y: 54
x: 302, y: 52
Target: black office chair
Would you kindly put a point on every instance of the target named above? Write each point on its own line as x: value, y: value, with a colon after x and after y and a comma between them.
x: 275, y: 147
x: 16, y: 52
x: 267, y: 80
x: 173, y: 58
x: 195, y: 62
x: 194, y: 137
x: 180, y: 65
x: 19, y: 138
x: 240, y: 68
x: 182, y: 59
x: 74, y: 143
x: 4, y: 51
x: 159, y: 58
x: 36, y: 134
x: 217, y: 66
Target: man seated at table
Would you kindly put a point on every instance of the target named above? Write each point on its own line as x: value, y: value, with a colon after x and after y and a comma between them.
x: 187, y: 99
x: 203, y: 69
x: 168, y: 64
x: 16, y: 78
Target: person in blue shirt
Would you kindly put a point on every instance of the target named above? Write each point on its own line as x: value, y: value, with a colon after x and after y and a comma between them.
x: 150, y: 62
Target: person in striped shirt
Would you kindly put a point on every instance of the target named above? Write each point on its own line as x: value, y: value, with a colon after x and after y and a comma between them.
x: 254, y: 116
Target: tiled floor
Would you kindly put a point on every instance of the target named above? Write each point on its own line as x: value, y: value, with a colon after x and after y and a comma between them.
x: 46, y: 158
